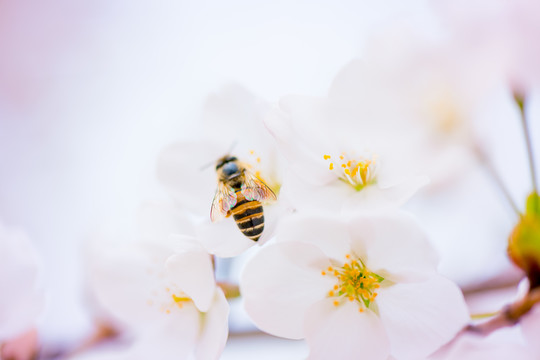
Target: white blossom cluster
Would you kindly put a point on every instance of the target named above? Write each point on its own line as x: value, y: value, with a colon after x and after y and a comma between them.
x: 342, y: 262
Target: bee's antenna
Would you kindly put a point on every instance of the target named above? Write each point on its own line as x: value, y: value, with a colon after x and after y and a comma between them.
x: 233, y: 145
x: 206, y: 166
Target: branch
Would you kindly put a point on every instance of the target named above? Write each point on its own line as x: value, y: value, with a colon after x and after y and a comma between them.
x: 509, y: 315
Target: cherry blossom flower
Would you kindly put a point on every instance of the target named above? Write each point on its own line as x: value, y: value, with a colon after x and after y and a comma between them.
x: 164, y: 290
x: 422, y: 98
x: 333, y: 168
x: 22, y: 301
x: 364, y: 287
x: 231, y: 125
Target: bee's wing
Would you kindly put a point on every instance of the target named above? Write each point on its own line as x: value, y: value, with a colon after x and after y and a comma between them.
x: 224, y: 200
x: 255, y: 189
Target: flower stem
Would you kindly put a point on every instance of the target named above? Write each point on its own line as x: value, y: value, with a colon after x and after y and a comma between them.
x: 520, y: 101
x: 484, y: 159
x: 508, y: 316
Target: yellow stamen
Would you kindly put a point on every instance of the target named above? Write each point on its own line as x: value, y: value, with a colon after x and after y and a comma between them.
x: 178, y: 299
x: 331, y: 167
x: 354, y: 282
x: 358, y: 173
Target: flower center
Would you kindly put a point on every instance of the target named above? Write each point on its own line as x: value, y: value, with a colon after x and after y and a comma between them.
x: 358, y: 173
x: 168, y: 299
x: 354, y: 282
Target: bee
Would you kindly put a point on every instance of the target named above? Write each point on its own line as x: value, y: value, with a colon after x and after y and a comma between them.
x: 240, y: 193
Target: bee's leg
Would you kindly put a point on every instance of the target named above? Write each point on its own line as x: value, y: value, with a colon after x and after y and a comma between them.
x: 228, y: 214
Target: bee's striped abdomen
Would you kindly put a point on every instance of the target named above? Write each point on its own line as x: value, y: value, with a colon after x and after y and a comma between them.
x: 249, y: 216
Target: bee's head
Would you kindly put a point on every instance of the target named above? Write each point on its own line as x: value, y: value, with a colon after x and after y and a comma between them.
x: 228, y: 167
x: 224, y: 160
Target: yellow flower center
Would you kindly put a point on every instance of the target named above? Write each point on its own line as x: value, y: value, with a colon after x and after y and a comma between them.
x: 358, y: 173
x: 354, y: 282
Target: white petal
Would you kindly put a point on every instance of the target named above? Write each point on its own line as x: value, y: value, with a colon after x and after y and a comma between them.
x: 223, y: 238
x: 376, y: 198
x: 304, y: 196
x: 183, y: 243
x: 181, y: 168
x: 174, y: 338
x: 233, y: 113
x: 421, y: 317
x: 279, y: 284
x: 193, y: 273
x: 294, y: 144
x: 329, y: 235
x: 167, y: 337
x: 530, y: 326
x: 393, y: 244
x: 215, y: 329
x: 344, y: 333
x: 123, y: 278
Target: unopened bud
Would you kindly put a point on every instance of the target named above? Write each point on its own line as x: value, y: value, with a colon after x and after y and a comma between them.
x: 524, y: 241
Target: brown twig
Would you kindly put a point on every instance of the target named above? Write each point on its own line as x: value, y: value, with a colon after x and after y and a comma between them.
x: 509, y: 316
